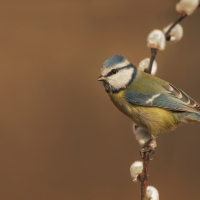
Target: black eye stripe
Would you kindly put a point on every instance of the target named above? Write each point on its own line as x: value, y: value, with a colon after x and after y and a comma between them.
x: 114, y: 71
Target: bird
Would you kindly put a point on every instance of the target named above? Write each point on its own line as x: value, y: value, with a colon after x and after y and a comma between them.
x: 152, y: 103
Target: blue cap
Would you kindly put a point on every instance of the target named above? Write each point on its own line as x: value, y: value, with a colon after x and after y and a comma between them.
x: 113, y: 61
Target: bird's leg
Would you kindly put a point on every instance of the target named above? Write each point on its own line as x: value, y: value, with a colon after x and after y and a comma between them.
x: 148, y: 147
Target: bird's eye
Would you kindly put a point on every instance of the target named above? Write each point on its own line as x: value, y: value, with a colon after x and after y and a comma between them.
x: 114, y: 71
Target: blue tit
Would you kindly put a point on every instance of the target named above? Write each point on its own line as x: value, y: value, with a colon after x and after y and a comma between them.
x: 152, y: 103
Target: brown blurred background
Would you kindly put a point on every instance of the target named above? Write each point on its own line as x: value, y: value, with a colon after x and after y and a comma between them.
x: 61, y: 137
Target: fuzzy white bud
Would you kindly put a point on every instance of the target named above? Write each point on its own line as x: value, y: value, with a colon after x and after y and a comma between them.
x: 156, y: 39
x: 187, y: 6
x: 152, y: 193
x: 143, y: 136
x: 136, y: 169
x: 144, y: 64
x: 176, y: 33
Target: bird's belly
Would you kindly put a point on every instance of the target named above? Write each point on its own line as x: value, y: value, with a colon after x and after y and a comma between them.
x: 155, y: 120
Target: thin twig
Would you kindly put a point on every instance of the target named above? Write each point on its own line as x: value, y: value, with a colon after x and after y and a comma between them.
x: 153, y: 56
x: 143, y: 176
x: 167, y: 37
x: 180, y: 18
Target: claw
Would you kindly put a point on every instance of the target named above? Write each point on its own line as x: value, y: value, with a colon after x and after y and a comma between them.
x: 152, y: 156
x: 148, y: 147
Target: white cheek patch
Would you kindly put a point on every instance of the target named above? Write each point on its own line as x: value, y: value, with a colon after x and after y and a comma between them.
x: 121, y: 78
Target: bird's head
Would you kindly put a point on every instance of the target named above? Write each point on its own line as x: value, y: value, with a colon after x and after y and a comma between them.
x: 117, y: 73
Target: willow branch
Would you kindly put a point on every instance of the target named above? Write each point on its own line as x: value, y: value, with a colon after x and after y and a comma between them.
x: 144, y: 174
x: 179, y: 19
x: 153, y: 56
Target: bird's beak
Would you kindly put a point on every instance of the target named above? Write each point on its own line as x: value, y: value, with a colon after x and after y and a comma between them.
x: 101, y: 78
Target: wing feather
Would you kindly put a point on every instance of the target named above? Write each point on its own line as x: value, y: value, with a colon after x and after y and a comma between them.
x: 170, y: 98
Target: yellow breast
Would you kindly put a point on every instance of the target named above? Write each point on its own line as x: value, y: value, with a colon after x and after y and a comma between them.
x: 155, y: 120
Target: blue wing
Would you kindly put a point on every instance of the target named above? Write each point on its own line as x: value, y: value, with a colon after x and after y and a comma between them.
x: 171, y: 98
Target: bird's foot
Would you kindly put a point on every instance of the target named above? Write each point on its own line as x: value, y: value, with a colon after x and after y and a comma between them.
x: 148, y: 147
x: 150, y: 150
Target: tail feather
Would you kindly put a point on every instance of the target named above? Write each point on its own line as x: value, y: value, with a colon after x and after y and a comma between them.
x: 197, y: 116
x: 188, y: 117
